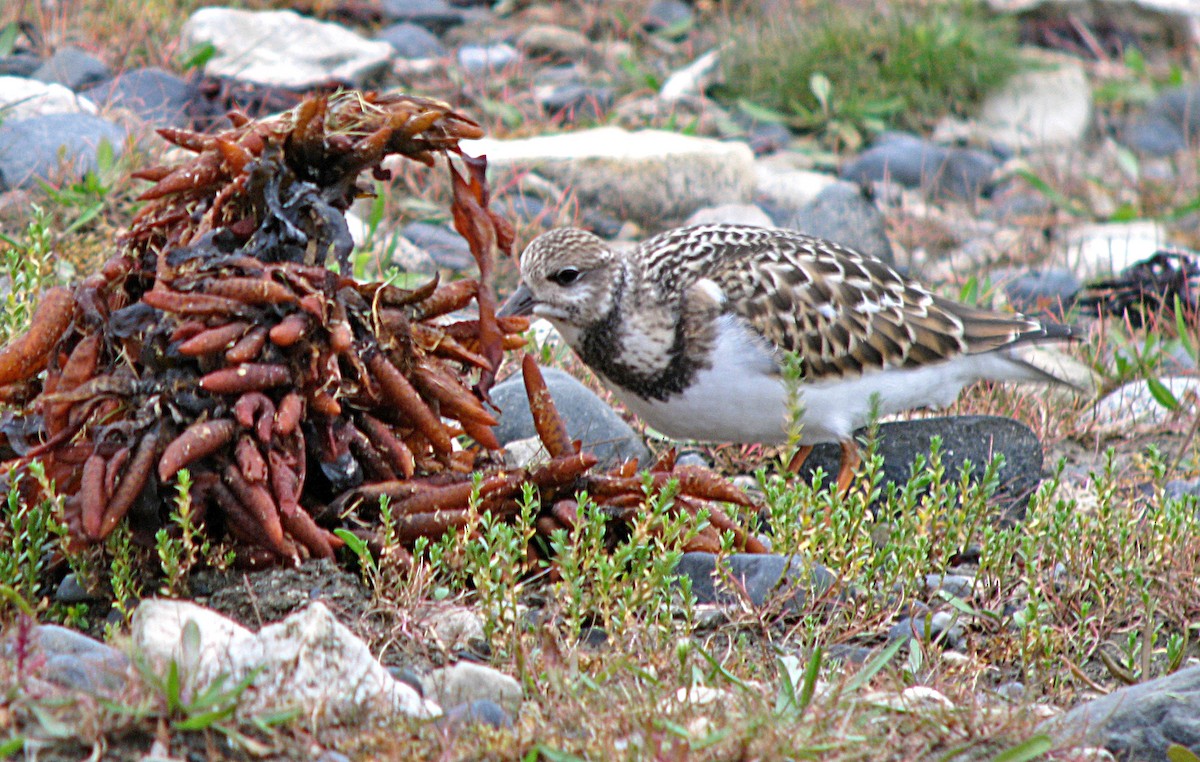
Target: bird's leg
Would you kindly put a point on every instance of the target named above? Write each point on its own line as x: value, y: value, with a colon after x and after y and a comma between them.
x: 801, y: 455
x: 851, y: 460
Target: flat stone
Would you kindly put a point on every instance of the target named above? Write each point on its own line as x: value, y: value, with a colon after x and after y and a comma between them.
x: 283, y: 48
x: 587, y: 417
x: 466, y: 682
x: 1138, y: 722
x: 843, y: 213
x: 1047, y: 107
x: 652, y: 177
x: 974, y: 438
x: 763, y: 578
x: 22, y: 98
x: 309, y: 660
x: 54, y: 146
x: 73, y: 68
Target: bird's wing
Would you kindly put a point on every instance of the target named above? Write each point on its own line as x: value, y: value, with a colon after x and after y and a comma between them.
x: 844, y: 313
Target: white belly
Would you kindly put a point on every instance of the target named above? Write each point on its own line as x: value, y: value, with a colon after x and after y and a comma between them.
x: 742, y: 397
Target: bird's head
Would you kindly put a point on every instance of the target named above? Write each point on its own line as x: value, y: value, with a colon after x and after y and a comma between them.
x: 569, y: 277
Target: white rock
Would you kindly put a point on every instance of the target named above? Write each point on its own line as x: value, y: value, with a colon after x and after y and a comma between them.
x: 1041, y: 108
x: 653, y: 177
x: 788, y: 188
x: 466, y: 681
x: 309, y: 659
x: 1105, y: 248
x: 22, y: 98
x: 453, y: 627
x: 733, y: 214
x: 521, y: 453
x: 693, y: 79
x: 283, y: 48
x: 1132, y: 407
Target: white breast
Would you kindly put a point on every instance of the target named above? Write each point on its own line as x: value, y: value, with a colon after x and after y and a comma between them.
x: 742, y: 397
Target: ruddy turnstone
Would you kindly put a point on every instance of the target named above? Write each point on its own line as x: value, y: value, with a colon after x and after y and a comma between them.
x: 690, y: 330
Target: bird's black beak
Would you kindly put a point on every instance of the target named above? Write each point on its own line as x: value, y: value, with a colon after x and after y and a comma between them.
x: 520, y: 303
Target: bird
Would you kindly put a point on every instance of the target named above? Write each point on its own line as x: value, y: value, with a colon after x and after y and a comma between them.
x: 694, y: 328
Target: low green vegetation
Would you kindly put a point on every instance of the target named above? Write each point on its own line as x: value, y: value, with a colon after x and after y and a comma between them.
x: 846, y: 71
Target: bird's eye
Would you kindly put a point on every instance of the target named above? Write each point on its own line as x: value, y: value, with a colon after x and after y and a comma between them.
x: 565, y: 276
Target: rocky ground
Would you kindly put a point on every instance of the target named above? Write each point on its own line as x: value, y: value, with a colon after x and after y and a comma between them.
x: 600, y: 115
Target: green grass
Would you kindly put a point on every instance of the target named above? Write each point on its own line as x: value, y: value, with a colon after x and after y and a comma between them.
x: 845, y: 72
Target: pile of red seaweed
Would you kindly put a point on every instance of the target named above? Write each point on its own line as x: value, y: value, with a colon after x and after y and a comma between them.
x: 218, y: 340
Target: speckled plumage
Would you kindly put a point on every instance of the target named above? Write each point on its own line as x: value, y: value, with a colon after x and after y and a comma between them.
x: 706, y: 313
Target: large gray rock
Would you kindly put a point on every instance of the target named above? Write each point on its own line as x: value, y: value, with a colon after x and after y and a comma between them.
x: 72, y: 67
x: 1137, y: 723
x: 53, y: 146
x: 154, y: 95
x: 844, y: 214
x: 587, y: 417
x: 914, y: 162
x: 308, y: 660
x: 652, y: 177
x: 976, y: 438
x: 283, y: 48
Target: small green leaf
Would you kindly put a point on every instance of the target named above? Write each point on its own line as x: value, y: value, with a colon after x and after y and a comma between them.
x: 877, y: 662
x: 1031, y: 748
x: 1179, y: 753
x: 11, y: 746
x: 198, y: 56
x: 1162, y: 395
x: 821, y: 88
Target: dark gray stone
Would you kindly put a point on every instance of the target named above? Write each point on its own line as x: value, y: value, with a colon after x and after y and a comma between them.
x: 958, y: 585
x: 578, y: 102
x: 913, y: 162
x: 1138, y: 722
x: 763, y: 578
x: 974, y: 438
x: 767, y: 137
x: 30, y: 149
x: 73, y: 68
x: 1154, y: 135
x: 435, y: 15
x: 70, y: 591
x: 587, y: 418
x: 1045, y: 292
x: 478, y: 712
x: 843, y: 213
x: 155, y: 95
x: 411, y: 40
x: 446, y: 246
x: 896, y: 157
x: 966, y: 174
